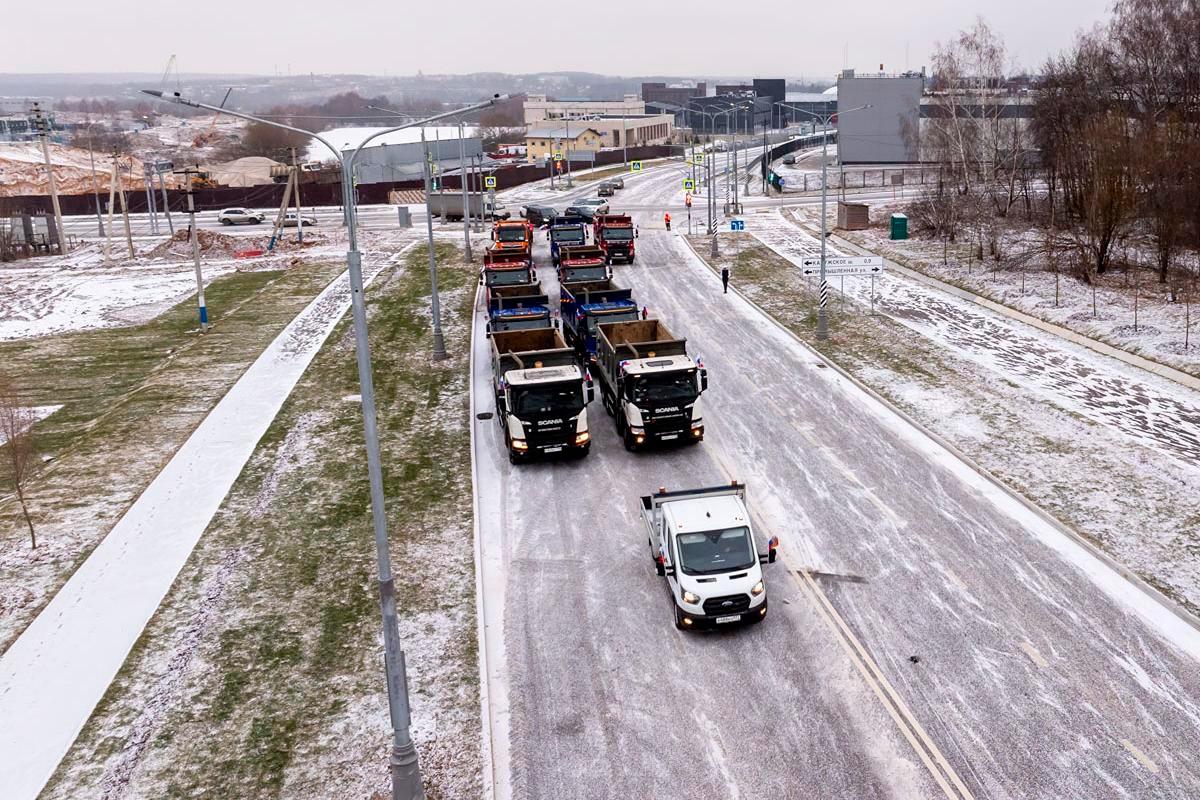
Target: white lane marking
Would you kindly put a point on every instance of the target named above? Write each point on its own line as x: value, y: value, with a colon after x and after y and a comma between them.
x: 943, y: 774
x: 1033, y: 653
x: 1147, y: 762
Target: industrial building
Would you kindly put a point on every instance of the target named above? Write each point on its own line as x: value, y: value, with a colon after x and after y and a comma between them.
x: 383, y: 163
x: 888, y: 132
x: 674, y: 94
x: 538, y: 108
x: 611, y: 131
x: 542, y: 141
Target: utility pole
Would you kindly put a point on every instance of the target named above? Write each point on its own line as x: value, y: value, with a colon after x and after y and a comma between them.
x: 95, y: 186
x: 439, y: 343
x: 162, y: 182
x: 462, y: 178
x: 299, y: 209
x: 191, y: 205
x: 125, y: 207
x: 43, y: 130
x: 151, y: 210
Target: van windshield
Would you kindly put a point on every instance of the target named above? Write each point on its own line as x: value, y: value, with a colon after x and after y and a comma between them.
x: 716, y: 551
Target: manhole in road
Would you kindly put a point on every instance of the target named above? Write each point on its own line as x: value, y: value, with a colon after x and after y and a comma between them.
x: 484, y: 415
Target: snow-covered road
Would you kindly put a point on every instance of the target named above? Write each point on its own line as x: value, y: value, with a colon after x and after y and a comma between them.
x: 1034, y: 667
x: 55, y: 673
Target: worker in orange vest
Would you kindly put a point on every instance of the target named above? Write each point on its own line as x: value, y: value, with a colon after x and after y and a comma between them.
x: 667, y: 219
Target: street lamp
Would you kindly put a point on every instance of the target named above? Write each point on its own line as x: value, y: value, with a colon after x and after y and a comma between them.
x: 95, y: 186
x: 406, y: 772
x: 822, y: 322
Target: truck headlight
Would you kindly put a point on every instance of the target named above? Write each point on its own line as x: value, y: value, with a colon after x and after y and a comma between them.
x: 519, y: 444
x: 582, y: 438
x: 692, y: 599
x: 758, y: 589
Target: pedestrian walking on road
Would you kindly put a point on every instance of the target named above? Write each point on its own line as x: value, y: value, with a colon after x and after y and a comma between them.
x: 645, y: 312
x: 667, y: 219
x: 725, y: 279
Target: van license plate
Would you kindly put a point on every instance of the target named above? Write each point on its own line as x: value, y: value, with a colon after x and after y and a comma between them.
x: 734, y: 618
x: 668, y: 436
x: 557, y: 449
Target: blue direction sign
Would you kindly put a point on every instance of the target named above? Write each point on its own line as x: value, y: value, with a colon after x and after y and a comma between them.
x: 737, y: 224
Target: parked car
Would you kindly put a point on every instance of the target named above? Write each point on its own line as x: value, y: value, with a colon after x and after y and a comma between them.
x: 606, y: 189
x: 240, y: 216
x: 540, y: 215
x: 290, y: 220
x: 598, y: 204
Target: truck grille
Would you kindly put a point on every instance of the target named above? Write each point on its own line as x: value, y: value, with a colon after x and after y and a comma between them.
x: 737, y: 603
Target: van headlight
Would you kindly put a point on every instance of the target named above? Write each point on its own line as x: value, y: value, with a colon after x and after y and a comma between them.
x: 758, y: 589
x: 691, y: 599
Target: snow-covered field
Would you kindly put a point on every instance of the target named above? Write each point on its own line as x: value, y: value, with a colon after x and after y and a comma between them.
x: 1031, y: 287
x: 31, y: 415
x: 82, y: 290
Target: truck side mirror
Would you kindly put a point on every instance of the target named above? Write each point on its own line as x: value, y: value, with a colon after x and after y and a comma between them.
x: 704, y: 380
x: 636, y: 233
x: 591, y: 391
x: 481, y: 279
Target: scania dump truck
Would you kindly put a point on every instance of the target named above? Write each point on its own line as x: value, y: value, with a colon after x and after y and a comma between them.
x: 513, y: 312
x: 566, y: 230
x: 703, y: 543
x: 582, y: 306
x: 582, y: 262
x: 614, y: 234
x: 541, y: 394
x: 650, y: 384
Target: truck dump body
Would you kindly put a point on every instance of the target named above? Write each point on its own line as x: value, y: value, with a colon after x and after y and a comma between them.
x: 517, y: 350
x: 582, y: 262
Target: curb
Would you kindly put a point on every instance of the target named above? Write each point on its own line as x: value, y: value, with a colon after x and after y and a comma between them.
x: 1083, y: 340
x: 1133, y: 578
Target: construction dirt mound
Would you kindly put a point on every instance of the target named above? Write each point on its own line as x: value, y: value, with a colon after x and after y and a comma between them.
x: 220, y: 245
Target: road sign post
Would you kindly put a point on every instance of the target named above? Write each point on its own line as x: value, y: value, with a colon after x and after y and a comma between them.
x: 688, y: 184
x: 635, y: 166
x: 843, y: 265
x: 489, y: 182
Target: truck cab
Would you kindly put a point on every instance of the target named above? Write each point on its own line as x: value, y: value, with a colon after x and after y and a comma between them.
x: 583, y: 306
x: 566, y: 230
x: 512, y: 312
x: 511, y: 235
x: 582, y: 262
x: 508, y: 269
x: 614, y: 234
x: 703, y: 542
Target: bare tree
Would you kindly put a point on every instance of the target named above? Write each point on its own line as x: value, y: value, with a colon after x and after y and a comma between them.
x: 16, y: 433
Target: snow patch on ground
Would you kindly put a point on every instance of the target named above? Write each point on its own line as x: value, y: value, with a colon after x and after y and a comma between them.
x: 32, y: 416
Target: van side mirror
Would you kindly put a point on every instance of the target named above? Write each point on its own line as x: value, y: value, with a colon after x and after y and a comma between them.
x: 704, y: 380
x: 668, y: 570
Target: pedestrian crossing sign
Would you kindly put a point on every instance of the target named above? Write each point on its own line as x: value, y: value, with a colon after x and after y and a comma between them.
x: 635, y: 166
x: 699, y: 158
x: 688, y: 184
x: 558, y: 156
x: 489, y: 182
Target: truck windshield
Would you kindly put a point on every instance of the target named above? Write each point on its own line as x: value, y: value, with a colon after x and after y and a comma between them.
x: 548, y: 398
x: 664, y: 387
x: 716, y: 551
x: 510, y: 234
x: 618, y: 234
x: 575, y: 274
x: 567, y: 235
x: 506, y: 277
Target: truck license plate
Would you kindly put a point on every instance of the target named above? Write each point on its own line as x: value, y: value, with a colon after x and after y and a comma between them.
x: 734, y: 618
x: 667, y: 436
x: 557, y: 449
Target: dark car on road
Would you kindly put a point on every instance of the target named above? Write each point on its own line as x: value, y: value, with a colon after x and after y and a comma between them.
x: 606, y: 189
x: 587, y: 212
x: 540, y: 215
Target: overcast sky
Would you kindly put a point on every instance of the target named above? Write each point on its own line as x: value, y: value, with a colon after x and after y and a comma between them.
x: 616, y: 37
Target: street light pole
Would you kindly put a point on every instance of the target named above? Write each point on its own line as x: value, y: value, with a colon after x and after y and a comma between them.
x: 822, y: 321
x: 95, y: 186
x: 406, y: 773
x: 439, y: 343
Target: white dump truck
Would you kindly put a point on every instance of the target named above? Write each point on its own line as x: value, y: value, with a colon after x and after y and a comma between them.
x: 541, y: 394
x: 702, y: 542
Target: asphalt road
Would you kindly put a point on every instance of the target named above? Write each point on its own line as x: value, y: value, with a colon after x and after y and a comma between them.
x: 1024, y: 664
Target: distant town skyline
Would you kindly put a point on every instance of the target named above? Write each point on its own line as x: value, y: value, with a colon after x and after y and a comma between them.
x: 621, y: 38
